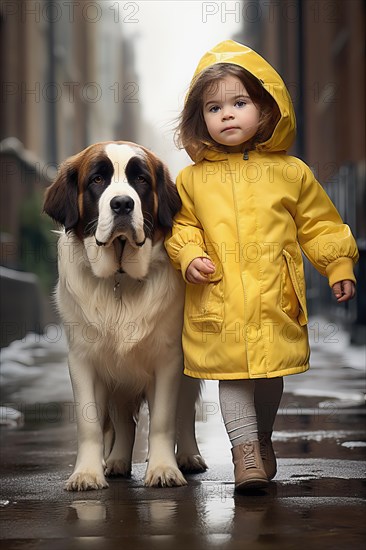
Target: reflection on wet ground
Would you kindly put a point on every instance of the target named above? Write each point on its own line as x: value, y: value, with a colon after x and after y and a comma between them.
x: 316, y: 498
x: 204, y: 515
x: 199, y: 523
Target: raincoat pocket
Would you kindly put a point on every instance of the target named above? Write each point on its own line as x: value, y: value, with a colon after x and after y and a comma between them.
x: 293, y: 298
x: 205, y: 304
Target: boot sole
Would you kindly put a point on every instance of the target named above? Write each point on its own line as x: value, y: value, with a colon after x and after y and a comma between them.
x: 252, y: 484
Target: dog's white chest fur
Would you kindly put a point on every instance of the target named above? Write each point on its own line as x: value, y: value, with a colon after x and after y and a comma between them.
x: 118, y: 319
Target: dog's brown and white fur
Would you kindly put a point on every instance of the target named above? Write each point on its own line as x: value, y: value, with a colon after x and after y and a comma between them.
x: 121, y: 303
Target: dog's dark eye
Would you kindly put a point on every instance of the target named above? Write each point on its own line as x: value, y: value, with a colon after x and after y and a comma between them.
x: 140, y: 179
x: 98, y: 179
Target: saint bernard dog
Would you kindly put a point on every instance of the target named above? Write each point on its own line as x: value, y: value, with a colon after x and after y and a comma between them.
x: 121, y: 303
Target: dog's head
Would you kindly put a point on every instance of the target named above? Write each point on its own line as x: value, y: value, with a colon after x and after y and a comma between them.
x: 112, y: 193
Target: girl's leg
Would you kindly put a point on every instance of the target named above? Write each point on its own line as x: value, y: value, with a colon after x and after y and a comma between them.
x: 239, y: 414
x: 238, y: 410
x: 267, y: 397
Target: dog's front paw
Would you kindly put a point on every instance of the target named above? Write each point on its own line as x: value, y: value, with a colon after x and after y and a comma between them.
x: 85, y: 481
x: 191, y: 463
x: 118, y: 468
x: 164, y: 476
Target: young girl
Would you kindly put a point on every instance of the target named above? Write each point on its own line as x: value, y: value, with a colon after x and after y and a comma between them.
x: 248, y: 211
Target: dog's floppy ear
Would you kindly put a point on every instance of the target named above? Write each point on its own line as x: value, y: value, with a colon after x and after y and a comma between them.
x: 168, y: 198
x: 61, y: 199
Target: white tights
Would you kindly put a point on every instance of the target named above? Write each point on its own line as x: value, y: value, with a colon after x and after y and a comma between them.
x: 249, y: 407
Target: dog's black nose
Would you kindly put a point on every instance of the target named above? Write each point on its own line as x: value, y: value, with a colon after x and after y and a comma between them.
x: 122, y: 204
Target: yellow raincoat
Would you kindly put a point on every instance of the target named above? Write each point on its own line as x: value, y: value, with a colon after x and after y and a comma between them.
x: 253, y: 218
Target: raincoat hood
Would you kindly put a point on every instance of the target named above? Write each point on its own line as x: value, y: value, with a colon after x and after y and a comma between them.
x: 233, y: 52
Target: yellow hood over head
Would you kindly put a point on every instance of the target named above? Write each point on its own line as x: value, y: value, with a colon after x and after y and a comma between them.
x: 233, y: 52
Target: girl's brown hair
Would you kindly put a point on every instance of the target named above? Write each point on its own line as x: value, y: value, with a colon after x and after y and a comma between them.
x: 191, y: 133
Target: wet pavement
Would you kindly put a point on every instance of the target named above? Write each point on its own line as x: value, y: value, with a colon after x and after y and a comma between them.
x: 317, y: 499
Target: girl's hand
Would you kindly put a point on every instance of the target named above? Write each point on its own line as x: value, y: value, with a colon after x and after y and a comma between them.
x: 344, y: 290
x: 199, y: 269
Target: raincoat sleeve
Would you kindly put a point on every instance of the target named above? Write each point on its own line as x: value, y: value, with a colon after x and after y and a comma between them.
x: 325, y: 240
x: 186, y: 241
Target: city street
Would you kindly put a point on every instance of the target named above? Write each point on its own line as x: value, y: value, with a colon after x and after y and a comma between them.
x: 315, y: 501
x: 267, y: 100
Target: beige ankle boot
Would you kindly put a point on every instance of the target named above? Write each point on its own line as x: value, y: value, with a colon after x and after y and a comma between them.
x: 267, y: 454
x: 248, y: 466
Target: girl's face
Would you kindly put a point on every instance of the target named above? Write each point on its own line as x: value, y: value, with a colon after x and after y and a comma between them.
x: 230, y: 115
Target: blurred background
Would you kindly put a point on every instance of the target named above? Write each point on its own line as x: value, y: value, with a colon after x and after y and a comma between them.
x: 78, y: 72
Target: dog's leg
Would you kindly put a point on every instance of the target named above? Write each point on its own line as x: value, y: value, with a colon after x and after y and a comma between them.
x: 90, y: 405
x: 122, y: 413
x: 162, y: 469
x: 188, y: 456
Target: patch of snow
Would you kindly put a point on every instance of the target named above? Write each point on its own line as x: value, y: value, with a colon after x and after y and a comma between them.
x: 316, y: 435
x: 34, y: 369
x: 11, y: 417
x: 353, y: 444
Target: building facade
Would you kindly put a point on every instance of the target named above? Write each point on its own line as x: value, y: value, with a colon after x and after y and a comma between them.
x: 67, y: 80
